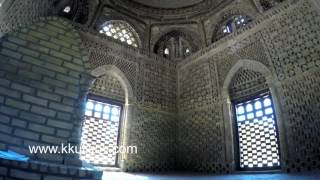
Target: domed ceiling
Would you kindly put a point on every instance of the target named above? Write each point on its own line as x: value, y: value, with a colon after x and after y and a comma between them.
x: 169, y: 9
x: 168, y: 3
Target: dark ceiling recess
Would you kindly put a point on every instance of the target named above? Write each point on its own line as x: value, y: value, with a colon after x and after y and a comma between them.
x: 76, y: 10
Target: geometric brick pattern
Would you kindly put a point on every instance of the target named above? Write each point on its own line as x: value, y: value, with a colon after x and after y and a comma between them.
x: 108, y: 86
x: 303, y: 119
x: 99, y: 58
x: 154, y: 135
x: 245, y: 83
x: 13, y: 16
x: 200, y: 140
x: 160, y: 87
x: 300, y: 32
x: 195, y: 87
x: 37, y: 90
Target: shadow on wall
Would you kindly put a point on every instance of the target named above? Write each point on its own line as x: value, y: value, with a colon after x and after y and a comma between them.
x: 42, y: 89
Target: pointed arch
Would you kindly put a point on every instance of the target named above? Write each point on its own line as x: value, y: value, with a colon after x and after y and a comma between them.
x: 116, y: 72
x: 250, y: 65
x: 128, y: 108
x: 228, y: 115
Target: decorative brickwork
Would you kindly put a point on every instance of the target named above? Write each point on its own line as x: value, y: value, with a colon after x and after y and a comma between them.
x: 301, y: 104
x: 18, y: 13
x: 287, y: 44
x: 177, y: 117
x: 108, y: 86
x: 154, y: 134
x: 246, y: 83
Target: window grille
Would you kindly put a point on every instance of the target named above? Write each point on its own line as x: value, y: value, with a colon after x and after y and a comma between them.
x: 100, y: 133
x: 257, y: 134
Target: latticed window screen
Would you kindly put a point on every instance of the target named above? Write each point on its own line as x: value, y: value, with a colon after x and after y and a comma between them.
x: 100, y: 133
x: 257, y: 133
x: 121, y: 31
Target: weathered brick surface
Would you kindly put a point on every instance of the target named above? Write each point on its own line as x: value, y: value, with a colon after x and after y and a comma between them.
x: 34, y: 86
x: 24, y: 175
x: 42, y: 170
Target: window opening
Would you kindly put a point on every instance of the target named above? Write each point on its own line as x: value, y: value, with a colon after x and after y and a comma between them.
x: 258, y: 142
x: 100, y: 132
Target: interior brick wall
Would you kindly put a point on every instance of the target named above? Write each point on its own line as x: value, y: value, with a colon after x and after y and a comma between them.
x: 178, y: 118
x: 287, y: 42
x: 40, y: 86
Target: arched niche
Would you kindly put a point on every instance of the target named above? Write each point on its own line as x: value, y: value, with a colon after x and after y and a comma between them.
x: 229, y: 119
x: 128, y: 107
x: 176, y: 44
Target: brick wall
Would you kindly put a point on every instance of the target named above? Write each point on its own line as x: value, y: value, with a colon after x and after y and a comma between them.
x: 174, y: 126
x: 44, y: 171
x: 153, y: 120
x: 40, y: 89
x: 153, y: 127
x: 286, y: 40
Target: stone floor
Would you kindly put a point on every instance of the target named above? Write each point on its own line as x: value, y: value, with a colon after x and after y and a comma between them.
x: 274, y: 176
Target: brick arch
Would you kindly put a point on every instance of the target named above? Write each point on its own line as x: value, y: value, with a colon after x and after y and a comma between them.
x: 188, y: 35
x: 228, y: 116
x: 116, y: 72
x: 249, y: 65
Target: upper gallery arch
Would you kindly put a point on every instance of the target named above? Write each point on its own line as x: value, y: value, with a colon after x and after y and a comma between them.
x: 176, y: 44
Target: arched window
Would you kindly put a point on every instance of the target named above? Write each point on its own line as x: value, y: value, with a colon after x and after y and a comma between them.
x: 231, y: 25
x: 121, y: 31
x: 257, y: 138
x: 101, y: 127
